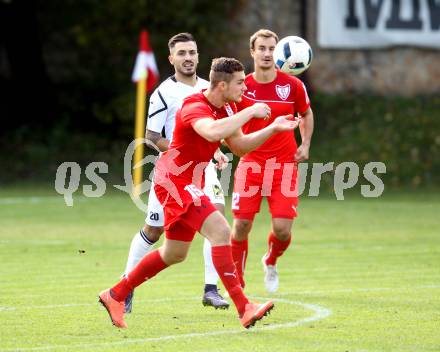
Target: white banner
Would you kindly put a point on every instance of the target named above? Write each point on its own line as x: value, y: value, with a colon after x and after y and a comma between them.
x: 378, y: 23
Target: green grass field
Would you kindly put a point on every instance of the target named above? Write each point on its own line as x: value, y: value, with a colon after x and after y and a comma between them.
x: 361, y: 275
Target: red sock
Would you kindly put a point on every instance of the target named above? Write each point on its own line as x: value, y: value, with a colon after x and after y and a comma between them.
x: 148, y: 267
x: 239, y: 254
x: 276, y: 248
x: 222, y: 259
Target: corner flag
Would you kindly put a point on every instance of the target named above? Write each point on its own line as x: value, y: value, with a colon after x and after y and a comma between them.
x: 145, y: 66
x: 146, y: 75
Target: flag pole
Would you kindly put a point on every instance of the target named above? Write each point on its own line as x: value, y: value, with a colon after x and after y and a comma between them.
x: 146, y: 75
x: 139, y: 132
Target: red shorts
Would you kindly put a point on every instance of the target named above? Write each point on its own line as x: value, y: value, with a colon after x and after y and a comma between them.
x: 185, y: 210
x: 252, y: 183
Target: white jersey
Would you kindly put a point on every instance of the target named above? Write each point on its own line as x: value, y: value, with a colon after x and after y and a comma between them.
x: 166, y: 100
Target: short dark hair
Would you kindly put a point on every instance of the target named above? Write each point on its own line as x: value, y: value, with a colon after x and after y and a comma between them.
x: 265, y: 33
x: 180, y: 38
x: 223, y: 68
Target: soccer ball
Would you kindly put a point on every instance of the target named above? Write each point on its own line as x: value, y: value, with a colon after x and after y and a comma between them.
x: 293, y: 55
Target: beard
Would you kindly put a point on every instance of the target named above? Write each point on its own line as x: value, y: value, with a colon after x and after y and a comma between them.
x: 187, y: 73
x: 236, y: 99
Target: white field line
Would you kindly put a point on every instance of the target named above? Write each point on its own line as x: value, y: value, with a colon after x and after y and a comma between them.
x: 319, y: 313
x: 53, y: 285
x: 41, y: 199
x: 85, y: 276
x: 36, y: 200
x: 69, y: 305
x: 367, y: 289
x: 315, y: 292
x: 75, y: 276
x: 8, y: 286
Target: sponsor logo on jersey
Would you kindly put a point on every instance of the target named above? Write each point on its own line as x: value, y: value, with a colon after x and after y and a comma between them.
x: 229, y: 110
x: 283, y: 91
x: 218, y: 192
x: 230, y: 274
x: 251, y: 93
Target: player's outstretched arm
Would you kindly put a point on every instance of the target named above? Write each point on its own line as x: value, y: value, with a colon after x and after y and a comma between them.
x: 216, y: 130
x: 241, y: 144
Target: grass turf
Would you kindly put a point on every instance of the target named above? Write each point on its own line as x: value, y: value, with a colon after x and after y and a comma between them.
x: 361, y: 275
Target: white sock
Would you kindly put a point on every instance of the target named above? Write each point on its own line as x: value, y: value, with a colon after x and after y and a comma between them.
x: 140, y: 245
x: 211, y: 276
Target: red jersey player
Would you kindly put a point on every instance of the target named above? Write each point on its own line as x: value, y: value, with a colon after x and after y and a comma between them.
x: 271, y: 168
x: 200, y: 126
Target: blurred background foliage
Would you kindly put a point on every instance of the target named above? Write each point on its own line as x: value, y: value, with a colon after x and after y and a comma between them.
x: 66, y: 93
x: 403, y: 133
x: 89, y: 50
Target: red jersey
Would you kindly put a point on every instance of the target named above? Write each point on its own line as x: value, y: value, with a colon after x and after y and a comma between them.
x: 189, y: 153
x: 285, y: 95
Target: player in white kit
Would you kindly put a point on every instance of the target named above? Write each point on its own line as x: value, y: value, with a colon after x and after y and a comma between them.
x: 164, y: 102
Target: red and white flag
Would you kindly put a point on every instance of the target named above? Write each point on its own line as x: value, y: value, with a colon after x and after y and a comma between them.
x: 145, y: 63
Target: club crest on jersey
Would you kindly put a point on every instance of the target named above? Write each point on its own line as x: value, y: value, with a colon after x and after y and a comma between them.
x: 283, y: 91
x: 229, y: 110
